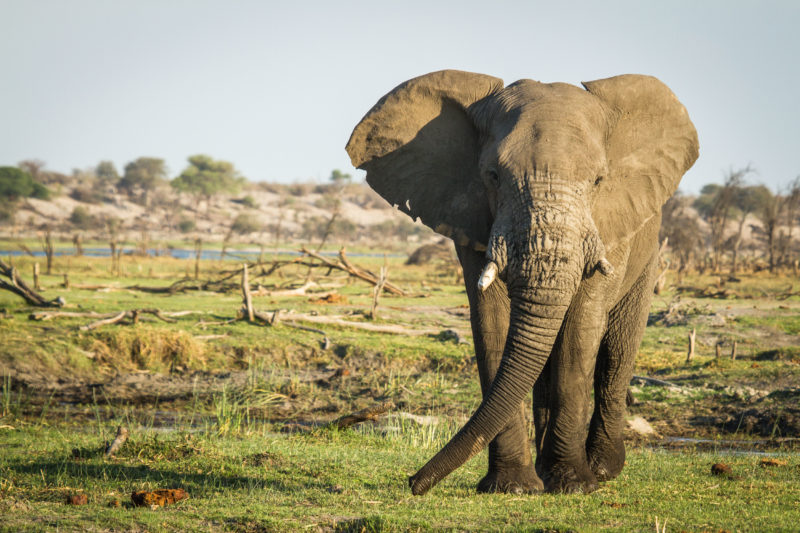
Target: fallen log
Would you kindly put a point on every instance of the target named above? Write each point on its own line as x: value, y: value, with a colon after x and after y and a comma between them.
x: 654, y: 381
x: 275, y: 317
x: 49, y: 315
x: 20, y: 288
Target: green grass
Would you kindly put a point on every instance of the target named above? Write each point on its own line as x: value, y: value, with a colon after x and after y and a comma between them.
x: 351, y: 480
x: 243, y: 474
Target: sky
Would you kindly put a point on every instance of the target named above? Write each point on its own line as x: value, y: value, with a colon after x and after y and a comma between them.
x: 276, y: 87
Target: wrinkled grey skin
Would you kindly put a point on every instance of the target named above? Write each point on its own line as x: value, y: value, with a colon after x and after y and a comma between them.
x: 559, y: 190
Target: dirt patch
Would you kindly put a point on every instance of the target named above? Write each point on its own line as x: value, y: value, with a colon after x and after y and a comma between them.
x: 773, y: 421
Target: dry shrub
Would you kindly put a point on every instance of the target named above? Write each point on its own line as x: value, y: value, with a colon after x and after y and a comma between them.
x: 148, y: 348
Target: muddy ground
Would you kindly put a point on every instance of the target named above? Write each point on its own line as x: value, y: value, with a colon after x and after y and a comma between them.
x: 676, y: 405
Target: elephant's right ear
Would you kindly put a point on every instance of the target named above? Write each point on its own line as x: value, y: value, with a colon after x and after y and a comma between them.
x: 420, y: 149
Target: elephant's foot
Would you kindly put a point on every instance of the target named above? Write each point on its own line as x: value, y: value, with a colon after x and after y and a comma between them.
x: 514, y: 480
x: 607, y: 460
x: 564, y: 478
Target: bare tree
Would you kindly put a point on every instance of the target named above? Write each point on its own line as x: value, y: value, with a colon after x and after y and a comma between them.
x: 791, y: 209
x: 756, y: 199
x: 716, y: 203
x: 680, y: 227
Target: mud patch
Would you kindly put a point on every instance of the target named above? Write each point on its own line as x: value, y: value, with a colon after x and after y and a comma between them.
x: 764, y: 422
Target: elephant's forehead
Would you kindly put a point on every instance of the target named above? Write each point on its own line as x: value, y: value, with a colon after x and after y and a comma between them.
x: 527, y: 102
x: 549, y: 137
x: 551, y: 127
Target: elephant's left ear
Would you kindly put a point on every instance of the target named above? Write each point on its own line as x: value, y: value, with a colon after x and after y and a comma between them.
x: 651, y: 143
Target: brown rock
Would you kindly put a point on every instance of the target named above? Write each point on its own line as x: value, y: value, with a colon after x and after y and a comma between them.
x: 158, y: 497
x: 77, y: 499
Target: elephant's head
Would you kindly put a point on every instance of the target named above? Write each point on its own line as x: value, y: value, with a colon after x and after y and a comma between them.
x: 545, y: 178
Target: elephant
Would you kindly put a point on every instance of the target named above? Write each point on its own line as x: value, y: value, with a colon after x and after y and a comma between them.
x: 552, y: 194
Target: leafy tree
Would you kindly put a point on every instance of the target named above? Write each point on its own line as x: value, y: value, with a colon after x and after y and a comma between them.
x: 142, y: 176
x: 16, y: 183
x: 205, y: 177
x: 106, y: 171
x: 340, y: 178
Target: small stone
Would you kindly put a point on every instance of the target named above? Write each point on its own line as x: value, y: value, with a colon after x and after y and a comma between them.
x: 641, y: 426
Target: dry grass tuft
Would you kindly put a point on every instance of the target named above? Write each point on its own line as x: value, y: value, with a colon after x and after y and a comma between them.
x: 148, y: 348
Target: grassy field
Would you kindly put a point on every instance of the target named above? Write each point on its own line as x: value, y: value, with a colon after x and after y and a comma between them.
x: 231, y: 411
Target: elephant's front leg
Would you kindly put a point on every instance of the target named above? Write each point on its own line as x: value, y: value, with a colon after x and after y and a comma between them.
x: 561, y: 436
x: 510, y: 464
x: 615, y: 361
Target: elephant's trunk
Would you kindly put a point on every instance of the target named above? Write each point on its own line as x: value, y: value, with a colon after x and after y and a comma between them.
x: 543, y: 258
x: 536, y: 316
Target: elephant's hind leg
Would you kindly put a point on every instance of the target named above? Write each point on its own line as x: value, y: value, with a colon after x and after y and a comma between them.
x: 615, y: 360
x: 510, y: 464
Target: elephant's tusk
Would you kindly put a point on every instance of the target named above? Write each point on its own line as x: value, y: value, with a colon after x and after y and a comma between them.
x: 604, y: 267
x: 487, y: 276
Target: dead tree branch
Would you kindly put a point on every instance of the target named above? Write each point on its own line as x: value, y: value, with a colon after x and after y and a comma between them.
x: 105, y: 319
x: 370, y: 413
x: 20, y: 288
x: 119, y: 440
x: 290, y: 319
x: 345, y: 265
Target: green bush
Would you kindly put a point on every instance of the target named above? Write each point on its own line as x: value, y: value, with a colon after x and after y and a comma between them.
x: 81, y: 218
x: 40, y: 191
x: 245, y: 223
x: 186, y: 225
x: 249, y: 201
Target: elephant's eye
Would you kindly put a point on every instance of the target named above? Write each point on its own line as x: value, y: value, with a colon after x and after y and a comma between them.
x: 493, y: 177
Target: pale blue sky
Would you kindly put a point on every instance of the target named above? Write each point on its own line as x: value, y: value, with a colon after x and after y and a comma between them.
x: 276, y: 87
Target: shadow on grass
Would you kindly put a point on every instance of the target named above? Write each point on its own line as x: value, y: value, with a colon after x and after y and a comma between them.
x: 70, y: 472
